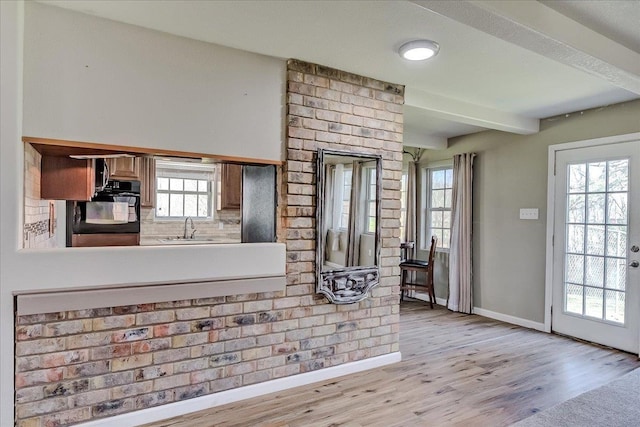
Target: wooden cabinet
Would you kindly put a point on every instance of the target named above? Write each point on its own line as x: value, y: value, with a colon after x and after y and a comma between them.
x: 64, y: 178
x: 147, y: 182
x: 141, y: 169
x: 124, y: 168
x: 97, y: 240
x: 231, y: 186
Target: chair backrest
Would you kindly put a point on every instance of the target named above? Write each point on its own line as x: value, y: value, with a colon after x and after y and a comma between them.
x: 432, y: 255
x: 432, y: 249
x: 406, y: 250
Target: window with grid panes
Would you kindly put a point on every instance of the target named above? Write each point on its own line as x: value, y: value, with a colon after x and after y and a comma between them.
x: 346, y: 199
x: 370, y: 201
x: 439, y: 206
x: 184, y: 189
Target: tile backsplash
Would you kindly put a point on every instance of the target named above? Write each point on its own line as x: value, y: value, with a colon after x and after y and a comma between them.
x: 39, y: 215
x: 225, y: 226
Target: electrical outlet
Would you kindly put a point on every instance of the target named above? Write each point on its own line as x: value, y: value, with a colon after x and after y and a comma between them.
x: 529, y: 213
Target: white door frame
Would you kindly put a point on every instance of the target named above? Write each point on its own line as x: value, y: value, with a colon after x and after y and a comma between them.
x: 551, y: 189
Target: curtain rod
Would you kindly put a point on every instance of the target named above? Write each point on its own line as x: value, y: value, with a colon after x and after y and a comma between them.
x: 414, y: 155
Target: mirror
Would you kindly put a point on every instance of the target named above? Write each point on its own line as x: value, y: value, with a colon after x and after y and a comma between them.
x: 348, y: 224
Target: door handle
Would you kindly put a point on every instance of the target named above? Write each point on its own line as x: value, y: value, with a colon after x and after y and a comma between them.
x: 635, y: 248
x: 634, y: 264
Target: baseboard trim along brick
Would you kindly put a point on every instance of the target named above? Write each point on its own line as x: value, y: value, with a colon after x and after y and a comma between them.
x: 171, y: 410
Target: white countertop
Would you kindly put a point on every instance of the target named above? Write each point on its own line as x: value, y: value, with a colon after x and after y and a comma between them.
x: 201, y: 240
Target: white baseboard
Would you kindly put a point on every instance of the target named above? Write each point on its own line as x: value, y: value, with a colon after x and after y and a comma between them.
x: 509, y: 319
x: 170, y: 410
x: 492, y: 314
x: 423, y: 296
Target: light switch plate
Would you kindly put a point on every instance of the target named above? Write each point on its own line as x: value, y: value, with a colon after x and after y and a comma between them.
x: 529, y: 213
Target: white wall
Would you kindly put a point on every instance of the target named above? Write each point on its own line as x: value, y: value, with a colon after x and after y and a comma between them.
x: 169, y: 80
x: 11, y: 21
x: 92, y: 79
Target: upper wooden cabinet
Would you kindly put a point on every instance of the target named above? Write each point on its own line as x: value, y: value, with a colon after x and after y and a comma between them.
x: 64, y: 178
x: 141, y: 169
x: 124, y: 168
x: 147, y: 182
x: 231, y: 188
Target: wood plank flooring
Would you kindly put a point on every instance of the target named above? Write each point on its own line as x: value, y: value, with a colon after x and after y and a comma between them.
x: 457, y: 370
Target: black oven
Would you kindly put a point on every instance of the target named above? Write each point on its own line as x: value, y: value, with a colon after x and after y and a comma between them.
x: 114, y: 209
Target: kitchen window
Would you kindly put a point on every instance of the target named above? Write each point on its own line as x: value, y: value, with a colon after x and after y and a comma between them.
x: 184, y: 189
x: 437, y: 214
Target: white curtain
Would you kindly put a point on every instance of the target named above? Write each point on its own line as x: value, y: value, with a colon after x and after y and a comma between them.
x: 355, y: 220
x: 460, y: 290
x: 329, y: 198
x: 338, y: 193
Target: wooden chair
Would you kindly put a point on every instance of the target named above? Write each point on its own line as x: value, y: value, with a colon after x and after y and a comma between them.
x: 408, y: 265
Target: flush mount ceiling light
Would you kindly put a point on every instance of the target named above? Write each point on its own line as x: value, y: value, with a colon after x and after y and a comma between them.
x: 419, y: 50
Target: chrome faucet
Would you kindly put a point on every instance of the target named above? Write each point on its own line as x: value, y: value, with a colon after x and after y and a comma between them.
x: 185, y: 236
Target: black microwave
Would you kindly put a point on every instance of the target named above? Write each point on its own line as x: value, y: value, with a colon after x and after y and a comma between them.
x: 114, y: 209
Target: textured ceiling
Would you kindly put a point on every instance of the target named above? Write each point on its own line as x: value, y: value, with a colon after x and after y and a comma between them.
x: 619, y: 21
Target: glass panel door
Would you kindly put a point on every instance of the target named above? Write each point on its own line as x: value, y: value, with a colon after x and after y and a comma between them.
x: 596, y: 239
x: 596, y: 279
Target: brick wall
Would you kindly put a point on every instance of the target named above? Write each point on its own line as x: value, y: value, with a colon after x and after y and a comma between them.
x: 332, y: 109
x: 79, y: 365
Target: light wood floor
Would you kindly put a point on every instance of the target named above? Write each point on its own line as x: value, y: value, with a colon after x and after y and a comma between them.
x: 456, y: 370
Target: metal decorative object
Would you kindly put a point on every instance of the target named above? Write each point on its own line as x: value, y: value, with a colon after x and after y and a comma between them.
x: 346, y: 287
x: 347, y: 282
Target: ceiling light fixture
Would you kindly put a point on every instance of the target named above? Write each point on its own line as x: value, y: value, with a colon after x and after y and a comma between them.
x: 419, y: 50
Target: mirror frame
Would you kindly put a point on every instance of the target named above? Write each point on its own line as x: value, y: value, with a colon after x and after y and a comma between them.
x: 345, y: 285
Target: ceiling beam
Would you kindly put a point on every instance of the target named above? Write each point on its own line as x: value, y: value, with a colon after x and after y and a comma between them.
x: 540, y: 29
x: 420, y: 140
x: 471, y: 114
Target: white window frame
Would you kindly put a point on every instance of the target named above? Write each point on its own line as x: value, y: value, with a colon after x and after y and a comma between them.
x: 368, y: 182
x: 346, y: 197
x: 425, y: 232
x: 404, y: 183
x: 179, y: 169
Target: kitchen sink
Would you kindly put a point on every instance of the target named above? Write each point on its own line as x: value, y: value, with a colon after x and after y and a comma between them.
x: 183, y: 241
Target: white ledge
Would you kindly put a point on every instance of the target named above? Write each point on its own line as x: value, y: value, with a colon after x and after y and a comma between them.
x: 127, y: 266
x: 64, y: 300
